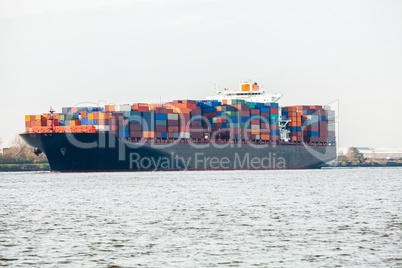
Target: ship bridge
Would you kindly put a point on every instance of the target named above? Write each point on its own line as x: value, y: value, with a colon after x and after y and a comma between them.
x: 248, y: 91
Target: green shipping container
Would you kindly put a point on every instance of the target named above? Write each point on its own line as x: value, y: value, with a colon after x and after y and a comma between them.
x: 251, y: 105
x: 238, y: 102
x: 273, y: 116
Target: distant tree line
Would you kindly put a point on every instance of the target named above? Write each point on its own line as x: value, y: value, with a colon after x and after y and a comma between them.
x: 354, y: 157
x: 21, y: 153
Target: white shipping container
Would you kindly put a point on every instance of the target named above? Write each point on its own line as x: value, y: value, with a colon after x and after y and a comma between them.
x: 172, y: 116
x: 104, y: 128
x: 331, y: 127
x: 184, y: 135
x: 125, y: 108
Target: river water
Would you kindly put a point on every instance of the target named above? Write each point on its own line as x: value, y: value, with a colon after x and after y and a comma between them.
x: 299, y: 218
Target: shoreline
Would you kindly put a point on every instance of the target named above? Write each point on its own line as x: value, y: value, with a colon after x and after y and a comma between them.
x: 24, y: 167
x: 45, y: 166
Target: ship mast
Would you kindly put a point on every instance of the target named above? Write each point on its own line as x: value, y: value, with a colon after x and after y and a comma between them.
x: 51, y: 111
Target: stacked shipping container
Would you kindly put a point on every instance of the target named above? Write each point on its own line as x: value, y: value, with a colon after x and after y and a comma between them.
x: 313, y: 123
x: 188, y: 119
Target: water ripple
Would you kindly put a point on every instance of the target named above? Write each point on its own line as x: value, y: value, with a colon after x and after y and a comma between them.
x: 329, y: 217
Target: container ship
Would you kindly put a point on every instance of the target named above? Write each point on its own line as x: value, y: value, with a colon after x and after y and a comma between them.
x: 233, y: 130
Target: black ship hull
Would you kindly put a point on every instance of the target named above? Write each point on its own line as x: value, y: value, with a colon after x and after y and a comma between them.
x: 91, y: 152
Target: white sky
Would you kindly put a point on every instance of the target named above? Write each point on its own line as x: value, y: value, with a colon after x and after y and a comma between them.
x: 63, y: 53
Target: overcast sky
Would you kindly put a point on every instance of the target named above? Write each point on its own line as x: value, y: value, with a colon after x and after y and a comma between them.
x: 63, y: 53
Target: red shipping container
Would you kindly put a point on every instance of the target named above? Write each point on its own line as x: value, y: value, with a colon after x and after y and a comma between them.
x: 160, y: 110
x: 254, y: 111
x: 323, y: 139
x: 265, y: 131
x: 189, y: 101
x: 160, y: 128
x: 191, y: 105
x: 255, y: 121
x: 173, y: 129
x: 196, y: 111
x: 196, y: 124
x: 244, y: 113
x: 173, y: 123
x: 274, y: 127
x: 235, y: 130
x: 273, y: 110
x: 323, y: 124
x: 266, y: 115
x: 196, y: 129
x: 143, y: 108
x: 136, y: 134
x: 184, y: 129
x: 196, y: 135
x: 265, y: 126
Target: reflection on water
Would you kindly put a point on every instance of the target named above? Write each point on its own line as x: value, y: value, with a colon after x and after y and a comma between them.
x: 322, y: 217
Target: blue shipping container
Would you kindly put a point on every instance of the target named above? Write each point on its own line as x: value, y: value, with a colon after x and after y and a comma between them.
x: 160, y: 116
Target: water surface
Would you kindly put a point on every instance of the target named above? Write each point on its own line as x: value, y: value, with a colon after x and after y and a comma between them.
x: 328, y: 217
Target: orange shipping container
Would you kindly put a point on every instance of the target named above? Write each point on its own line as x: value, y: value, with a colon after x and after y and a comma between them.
x: 109, y: 108
x: 83, y: 114
x: 255, y: 132
x: 59, y: 129
x: 245, y: 87
x: 221, y: 120
x: 35, y: 129
x: 148, y: 134
x: 90, y: 129
x: 265, y: 137
x: 27, y: 118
